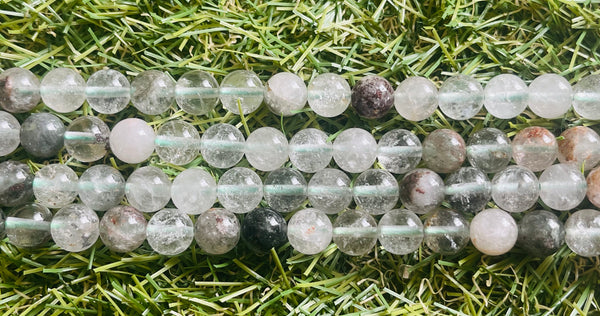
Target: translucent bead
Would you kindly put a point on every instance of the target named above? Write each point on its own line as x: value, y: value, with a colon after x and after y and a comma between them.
x: 372, y: 97
x: 75, y: 228
x: 399, y: 151
x: 493, y: 232
x: 266, y: 149
x: 148, y: 189
x: 329, y: 95
x: 16, y: 183
x: 444, y: 151
x: 19, y: 90
x: 28, y: 226
x: 515, y: 189
x: 583, y: 232
x: 9, y: 133
x: 400, y: 232
x: 86, y: 138
x: 170, y: 232
x: 489, y: 150
x: 197, y: 92
x: 421, y: 190
x: 285, y: 94
x: 550, y: 96
x: 506, y: 96
x: 217, y: 231
x: 263, y: 229
x: 222, y: 145
x: 42, y: 135
x: 593, y: 187
x: 562, y: 187
x: 375, y: 191
x: 461, y: 97
x: 285, y: 189
x: 152, y: 92
x: 586, y: 97
x: 132, y: 140
x: 310, y: 150
x: 101, y: 187
x: 123, y: 229
x: 240, y: 190
x: 355, y: 232
x: 63, y: 90
x: 541, y: 233
x: 309, y: 231
x: 354, y: 150
x: 446, y: 232
x: 243, y: 87
x: 416, y: 98
x: 177, y: 142
x: 329, y: 191
x: 468, y: 190
x: 194, y: 191
x: 108, y: 91
x: 580, y: 145
x: 535, y: 148
x: 55, y: 186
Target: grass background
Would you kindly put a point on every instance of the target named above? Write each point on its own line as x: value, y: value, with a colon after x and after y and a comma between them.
x: 393, y: 38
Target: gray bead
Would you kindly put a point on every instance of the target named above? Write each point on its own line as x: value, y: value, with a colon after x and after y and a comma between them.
x: 16, y: 183
x: 42, y: 135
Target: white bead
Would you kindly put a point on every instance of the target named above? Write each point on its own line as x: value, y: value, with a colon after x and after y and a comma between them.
x: 244, y: 87
x: 9, y: 133
x: 400, y: 231
x: 266, y: 149
x: 493, y: 232
x: 329, y: 94
x: 586, y: 97
x: 132, y: 140
x: 197, y: 92
x: 285, y: 94
x: 329, y: 190
x: 222, y: 145
x: 152, y: 92
x: 148, y: 189
x: 562, y: 186
x: 583, y: 232
x: 108, y: 91
x: 75, y: 228
x: 506, y: 96
x: 310, y: 150
x: 170, y: 232
x: 240, y: 190
x: 515, y: 189
x: 63, y: 90
x: 194, y: 191
x: 375, y: 191
x: 55, y: 186
x: 309, y: 231
x: 416, y: 98
x: 550, y: 96
x: 177, y: 142
x: 460, y: 97
x: 399, y: 151
x: 285, y: 189
x: 355, y: 150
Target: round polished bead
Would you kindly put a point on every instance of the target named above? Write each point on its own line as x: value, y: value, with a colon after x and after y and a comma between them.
x: 489, y: 150
x: 375, y: 191
x: 177, y: 142
x: 506, y: 96
x: 585, y: 97
x: 329, y: 94
x: 583, y: 232
x: 86, y: 138
x: 285, y: 94
x: 593, y: 187
x: 416, y: 98
x: 16, y: 183
x: 194, y: 191
x: 461, y: 97
x: 10, y: 130
x: 355, y: 150
x: 263, y: 229
x: 421, y: 190
x: 329, y: 190
x: 266, y: 149
x: 42, y: 135
x: 148, y: 189
x: 108, y: 91
x: 170, y: 232
x: 446, y: 232
x: 55, y: 186
x: 562, y: 186
x: 19, y: 90
x: 580, y: 145
x: 550, y: 96
x: 123, y: 229
x: 63, y: 90
x: 28, y: 226
x: 101, y: 187
x: 372, y: 97
x: 222, y: 145
x: 400, y: 231
x: 152, y: 92
x: 493, y: 232
x: 132, y: 140
x: 355, y: 232
x: 515, y: 189
x: 310, y: 231
x: 217, y: 231
x: 240, y: 190
x: 310, y: 150
x: 399, y: 151
x: 241, y: 88
x: 541, y: 233
x: 197, y: 92
x: 535, y: 148
x: 444, y: 151
x: 468, y: 190
x: 75, y: 228
x: 285, y: 189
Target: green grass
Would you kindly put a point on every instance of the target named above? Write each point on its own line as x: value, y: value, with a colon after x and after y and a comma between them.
x: 395, y: 39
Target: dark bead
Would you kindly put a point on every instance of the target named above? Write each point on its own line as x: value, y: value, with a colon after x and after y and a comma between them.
x: 541, y: 233
x: 42, y: 135
x: 372, y: 97
x: 16, y: 183
x: 263, y: 229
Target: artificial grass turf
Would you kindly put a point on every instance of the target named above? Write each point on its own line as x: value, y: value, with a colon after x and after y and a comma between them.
x: 394, y: 39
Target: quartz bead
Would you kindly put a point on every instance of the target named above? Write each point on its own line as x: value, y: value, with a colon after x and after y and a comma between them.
x: 63, y: 90
x: 197, y: 92
x: 541, y: 233
x: 421, y: 190
x: 535, y: 148
x: 593, y: 187
x: 444, y: 151
x: 329, y: 95
x: 194, y: 191
x: 55, y: 186
x: 108, y: 91
x: 285, y: 94
x: 309, y: 231
x: 240, y: 190
x: 493, y: 232
x: 355, y: 232
x: 583, y: 232
x: 461, y: 97
x: 329, y: 190
x: 506, y: 96
x: 515, y: 189
x: 28, y: 226
x: 86, y: 138
x: 217, y: 231
x: 101, y: 187
x: 468, y: 190
x: 222, y: 145
x: 355, y: 150
x: 177, y: 142
x: 19, y: 90
x: 372, y: 97
x: 446, y: 232
x: 586, y: 100
x: 489, y: 150
x: 310, y: 150
x: 562, y: 187
x: 42, y: 135
x: 375, y: 191
x: 285, y: 189
x: 132, y: 140
x: 416, y: 98
x: 75, y: 228
x: 263, y: 229
x: 170, y: 232
x: 243, y: 87
x: 16, y: 183
x: 399, y: 151
x: 266, y: 149
x: 123, y: 229
x: 580, y: 145
x: 9, y: 133
x: 152, y: 92
x: 148, y: 189
x: 550, y: 96
x: 400, y: 232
